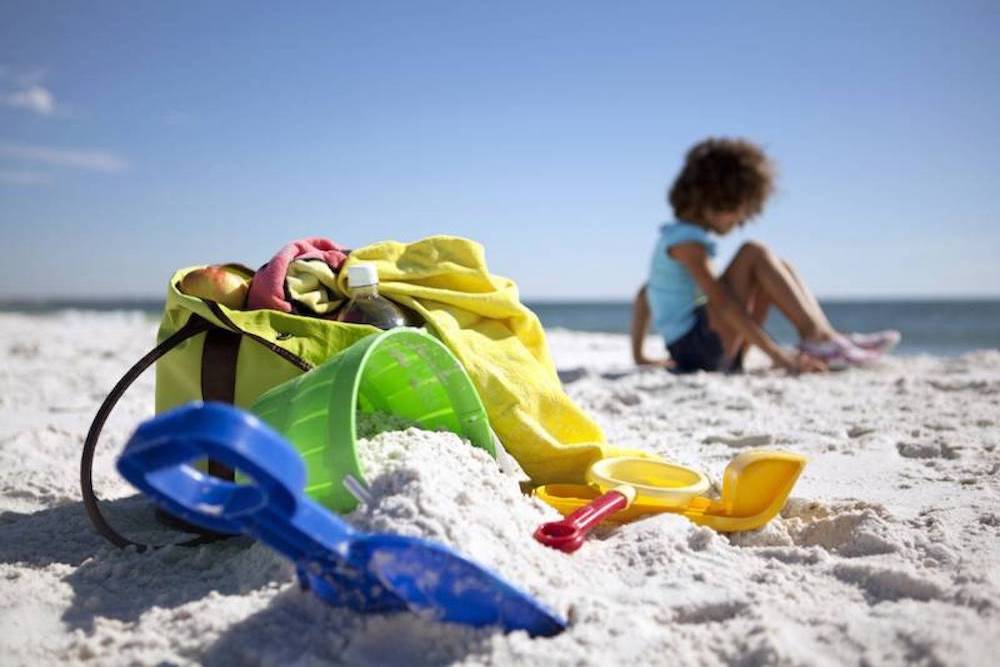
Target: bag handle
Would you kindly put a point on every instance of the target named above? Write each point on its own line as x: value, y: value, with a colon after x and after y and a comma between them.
x: 218, y: 382
x: 194, y: 326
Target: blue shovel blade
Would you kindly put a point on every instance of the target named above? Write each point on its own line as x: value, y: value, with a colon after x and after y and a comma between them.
x: 436, y: 582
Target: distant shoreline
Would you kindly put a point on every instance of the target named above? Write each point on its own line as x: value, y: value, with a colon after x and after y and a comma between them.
x: 153, y: 304
x: 938, y: 326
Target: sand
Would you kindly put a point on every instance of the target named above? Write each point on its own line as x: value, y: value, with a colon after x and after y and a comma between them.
x: 886, y: 554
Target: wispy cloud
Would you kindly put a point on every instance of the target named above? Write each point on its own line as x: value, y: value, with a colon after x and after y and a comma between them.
x: 34, y: 98
x: 21, y: 88
x: 17, y: 177
x: 85, y: 159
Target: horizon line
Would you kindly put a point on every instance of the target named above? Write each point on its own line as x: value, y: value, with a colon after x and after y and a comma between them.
x: 14, y: 301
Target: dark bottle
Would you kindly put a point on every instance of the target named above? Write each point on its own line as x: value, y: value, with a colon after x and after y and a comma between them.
x: 365, y: 305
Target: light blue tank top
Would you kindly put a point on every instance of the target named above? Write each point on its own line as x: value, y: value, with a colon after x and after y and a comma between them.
x: 672, y: 293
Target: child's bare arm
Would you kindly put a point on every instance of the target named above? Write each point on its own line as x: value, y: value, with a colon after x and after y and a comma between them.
x: 640, y: 324
x: 694, y: 258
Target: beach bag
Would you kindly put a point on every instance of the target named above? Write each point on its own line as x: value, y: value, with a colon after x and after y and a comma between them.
x: 208, y: 352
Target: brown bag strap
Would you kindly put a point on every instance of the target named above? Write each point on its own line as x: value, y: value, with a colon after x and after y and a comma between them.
x: 218, y: 379
x: 195, y: 325
x: 218, y: 383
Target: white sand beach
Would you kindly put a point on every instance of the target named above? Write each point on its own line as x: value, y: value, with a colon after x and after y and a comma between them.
x: 887, y: 553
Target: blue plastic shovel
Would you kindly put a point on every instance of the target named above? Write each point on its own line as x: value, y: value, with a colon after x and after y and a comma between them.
x: 342, y: 566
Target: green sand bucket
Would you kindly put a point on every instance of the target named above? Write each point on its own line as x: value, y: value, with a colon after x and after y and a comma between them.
x: 403, y: 372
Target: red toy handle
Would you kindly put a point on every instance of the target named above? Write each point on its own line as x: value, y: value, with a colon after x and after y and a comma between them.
x: 567, y: 535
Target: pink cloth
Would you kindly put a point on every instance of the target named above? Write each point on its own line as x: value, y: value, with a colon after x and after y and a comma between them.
x: 267, y: 290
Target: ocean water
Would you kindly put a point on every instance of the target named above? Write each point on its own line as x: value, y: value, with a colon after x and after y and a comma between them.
x: 940, y: 327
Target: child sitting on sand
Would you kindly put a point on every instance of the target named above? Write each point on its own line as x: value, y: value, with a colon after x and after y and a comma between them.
x: 709, y: 321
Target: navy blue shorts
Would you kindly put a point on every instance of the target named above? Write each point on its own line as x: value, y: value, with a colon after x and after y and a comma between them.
x: 700, y: 349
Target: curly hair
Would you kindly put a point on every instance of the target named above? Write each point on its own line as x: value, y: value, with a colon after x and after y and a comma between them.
x: 722, y: 174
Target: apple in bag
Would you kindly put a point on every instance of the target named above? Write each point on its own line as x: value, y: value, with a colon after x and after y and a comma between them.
x: 224, y: 285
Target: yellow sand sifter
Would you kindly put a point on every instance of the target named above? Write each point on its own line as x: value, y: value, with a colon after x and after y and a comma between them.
x: 755, y: 486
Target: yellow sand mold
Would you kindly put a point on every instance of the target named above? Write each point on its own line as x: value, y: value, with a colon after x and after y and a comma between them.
x: 755, y: 486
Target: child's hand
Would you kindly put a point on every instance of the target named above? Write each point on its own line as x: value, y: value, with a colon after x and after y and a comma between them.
x: 807, y: 364
x: 659, y: 363
x: 799, y: 362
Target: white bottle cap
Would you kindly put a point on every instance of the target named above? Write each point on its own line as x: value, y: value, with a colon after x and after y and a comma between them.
x: 362, y: 274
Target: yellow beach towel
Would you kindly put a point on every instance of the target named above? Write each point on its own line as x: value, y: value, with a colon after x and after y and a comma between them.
x: 502, y: 346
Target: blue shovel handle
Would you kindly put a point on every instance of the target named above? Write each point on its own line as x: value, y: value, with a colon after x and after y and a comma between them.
x: 157, y: 460
x: 269, y: 506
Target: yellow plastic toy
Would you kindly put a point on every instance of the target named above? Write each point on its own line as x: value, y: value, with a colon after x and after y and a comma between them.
x: 656, y: 482
x: 755, y: 486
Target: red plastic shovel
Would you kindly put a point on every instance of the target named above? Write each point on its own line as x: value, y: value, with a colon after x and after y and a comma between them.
x: 567, y: 534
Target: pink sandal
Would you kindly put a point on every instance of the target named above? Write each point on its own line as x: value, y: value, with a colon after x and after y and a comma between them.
x: 878, y: 341
x: 839, y: 352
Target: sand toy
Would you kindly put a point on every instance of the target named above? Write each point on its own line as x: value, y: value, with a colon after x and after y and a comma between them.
x: 403, y: 372
x: 622, y: 481
x: 755, y: 486
x: 342, y: 566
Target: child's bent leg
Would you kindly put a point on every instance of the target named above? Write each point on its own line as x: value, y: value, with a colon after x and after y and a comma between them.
x: 742, y: 286
x: 759, y: 309
x: 777, y: 284
x: 808, y: 298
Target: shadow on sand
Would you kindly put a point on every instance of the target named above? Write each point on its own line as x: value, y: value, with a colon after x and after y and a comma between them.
x: 298, y: 628
x: 121, y: 583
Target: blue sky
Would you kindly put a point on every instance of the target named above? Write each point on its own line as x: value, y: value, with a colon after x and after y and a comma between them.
x: 136, y: 138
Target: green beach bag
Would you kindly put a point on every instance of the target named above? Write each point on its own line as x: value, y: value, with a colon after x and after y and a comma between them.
x: 206, y: 351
